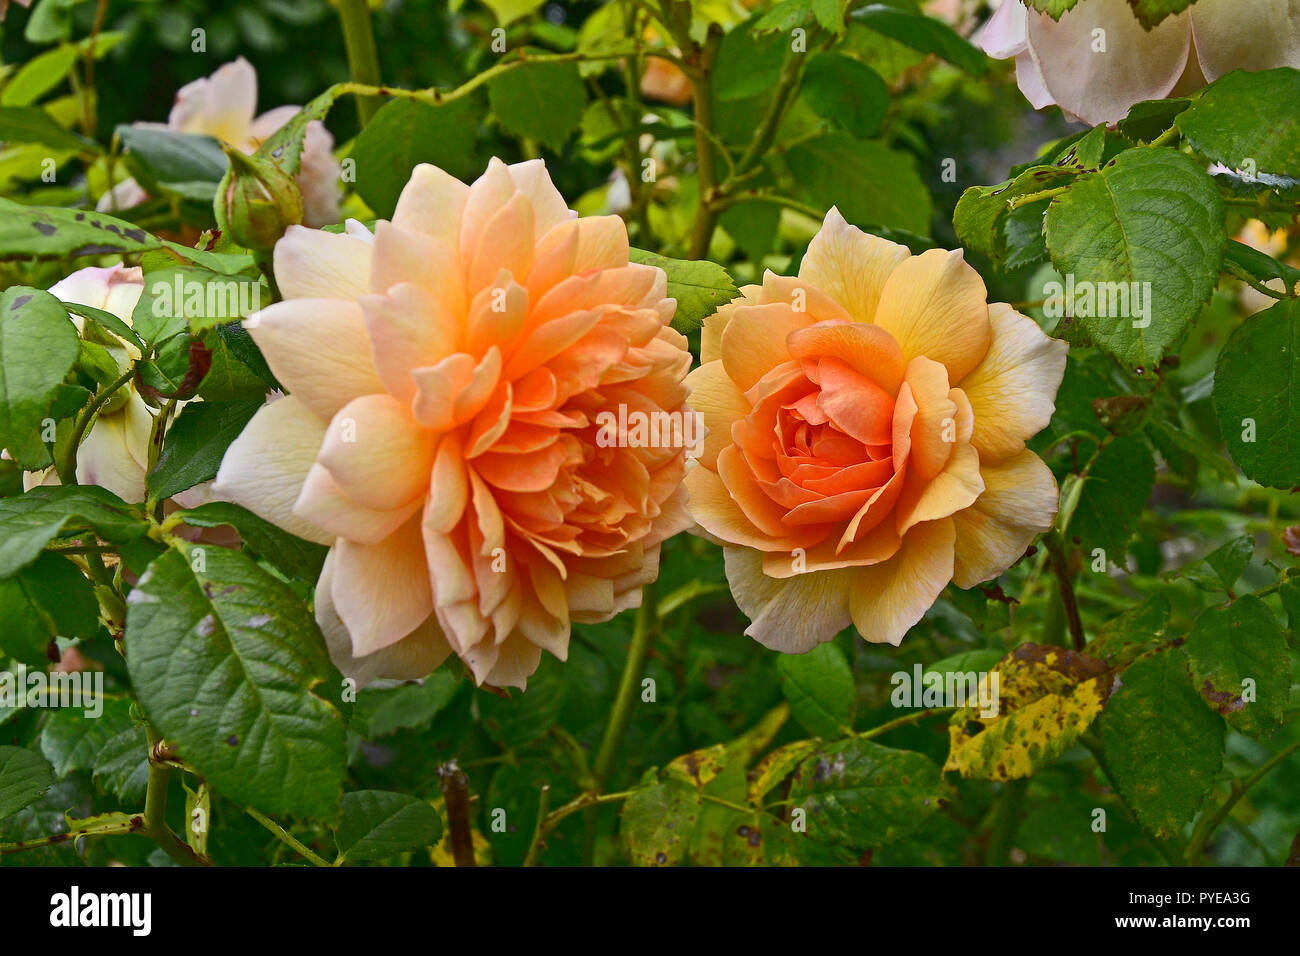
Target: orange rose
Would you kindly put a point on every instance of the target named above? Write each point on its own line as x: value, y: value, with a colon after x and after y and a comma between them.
x: 446, y: 377
x: 867, y: 426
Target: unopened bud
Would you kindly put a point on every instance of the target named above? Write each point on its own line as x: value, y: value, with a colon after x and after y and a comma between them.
x: 257, y: 201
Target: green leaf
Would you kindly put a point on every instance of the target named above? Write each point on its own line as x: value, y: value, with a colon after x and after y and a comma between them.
x: 541, y: 101
x: 38, y: 76
x: 1260, y: 265
x: 1152, y: 12
x: 49, y: 598
x: 859, y: 795
x: 24, y: 778
x: 405, y: 133
x: 28, y: 522
x: 30, y: 124
x: 1162, y: 746
x: 1111, y: 501
x: 521, y: 720
x: 749, y: 62
x: 1137, y: 630
x: 1257, y: 395
x: 284, y: 146
x: 107, y: 321
x: 185, y: 289
x: 1053, y: 8
x: 788, y: 14
x: 44, y: 232
x: 122, y: 765
x: 983, y: 212
x: 846, y: 92
x: 383, y: 710
x: 698, y: 286
x: 819, y: 687
x: 508, y: 11
x: 195, y: 444
x: 515, y: 789
x: 1149, y: 223
x: 172, y: 161
x: 38, y: 347
x: 1247, y: 121
x: 1219, y: 570
x: 753, y: 226
x: 377, y: 824
x: 224, y: 658
x: 1150, y: 118
x: 1232, y: 645
x: 72, y: 741
x: 294, y: 556
x: 870, y: 183
x: 922, y: 33
x: 657, y: 821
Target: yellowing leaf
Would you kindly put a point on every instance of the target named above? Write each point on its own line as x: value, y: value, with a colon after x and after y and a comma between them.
x: 1047, y: 697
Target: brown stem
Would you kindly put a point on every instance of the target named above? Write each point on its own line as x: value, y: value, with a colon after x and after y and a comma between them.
x: 706, y: 217
x: 1056, y: 554
x: 455, y: 790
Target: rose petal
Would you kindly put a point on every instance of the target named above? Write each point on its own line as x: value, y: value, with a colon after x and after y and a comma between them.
x: 887, y: 599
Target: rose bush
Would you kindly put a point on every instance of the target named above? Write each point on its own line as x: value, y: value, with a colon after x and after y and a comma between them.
x: 358, y: 465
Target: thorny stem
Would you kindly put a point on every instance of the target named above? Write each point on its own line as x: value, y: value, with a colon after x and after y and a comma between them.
x: 706, y: 217
x: 66, y: 467
x: 1209, y: 823
x: 287, y: 838
x: 110, y: 824
x: 155, y: 808
x: 363, y: 58
x: 543, y: 805
x: 548, y: 823
x: 1035, y: 197
x: 156, y: 434
x: 90, y: 108
x: 1069, y: 603
x: 436, y: 97
x: 786, y: 85
x: 913, y: 717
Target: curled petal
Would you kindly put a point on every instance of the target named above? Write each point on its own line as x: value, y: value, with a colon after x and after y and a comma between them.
x: 265, y: 467
x: 1019, y: 503
x: 1012, y: 391
x: 887, y: 599
x: 792, y: 614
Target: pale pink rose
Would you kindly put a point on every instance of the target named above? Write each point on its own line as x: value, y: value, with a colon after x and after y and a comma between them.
x: 1056, y: 62
x: 114, y: 453
x: 115, y: 450
x: 441, y: 433
x: 866, y: 445
x: 224, y: 106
